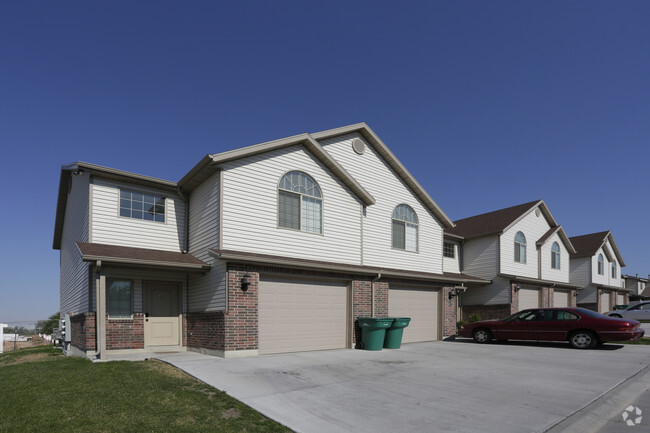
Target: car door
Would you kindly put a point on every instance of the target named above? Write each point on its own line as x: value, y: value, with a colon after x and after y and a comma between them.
x: 555, y: 325
x: 523, y: 326
x: 638, y: 312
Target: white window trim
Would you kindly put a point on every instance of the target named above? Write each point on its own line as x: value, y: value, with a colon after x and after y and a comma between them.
x: 301, y: 195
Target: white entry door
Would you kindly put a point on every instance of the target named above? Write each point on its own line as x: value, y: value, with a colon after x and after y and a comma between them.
x: 162, y: 314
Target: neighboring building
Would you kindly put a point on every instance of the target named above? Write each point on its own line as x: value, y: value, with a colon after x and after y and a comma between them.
x: 276, y: 247
x: 636, y: 286
x: 596, y: 267
x: 523, y: 252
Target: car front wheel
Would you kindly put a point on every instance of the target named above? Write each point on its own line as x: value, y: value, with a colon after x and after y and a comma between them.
x: 583, y: 340
x: 482, y: 335
x: 616, y: 315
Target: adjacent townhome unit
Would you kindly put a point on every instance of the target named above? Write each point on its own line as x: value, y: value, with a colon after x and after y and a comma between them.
x: 636, y: 286
x: 522, y: 251
x: 596, y: 267
x: 276, y: 247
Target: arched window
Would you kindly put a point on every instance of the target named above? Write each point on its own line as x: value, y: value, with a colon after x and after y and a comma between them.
x: 601, y: 265
x: 520, y: 248
x: 555, y: 256
x: 300, y: 203
x: 614, y: 270
x: 405, y: 228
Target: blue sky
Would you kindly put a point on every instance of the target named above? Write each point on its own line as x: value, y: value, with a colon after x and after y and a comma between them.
x: 488, y: 104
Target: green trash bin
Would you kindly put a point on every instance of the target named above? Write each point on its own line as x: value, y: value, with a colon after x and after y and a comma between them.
x: 393, y: 338
x: 373, y: 331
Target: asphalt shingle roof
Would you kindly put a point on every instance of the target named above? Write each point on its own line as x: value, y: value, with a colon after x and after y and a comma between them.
x: 491, y: 222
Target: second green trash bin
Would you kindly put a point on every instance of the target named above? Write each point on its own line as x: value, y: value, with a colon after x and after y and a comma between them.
x: 393, y: 338
x: 373, y: 331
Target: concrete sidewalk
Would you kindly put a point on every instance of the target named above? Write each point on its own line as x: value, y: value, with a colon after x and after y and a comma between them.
x: 438, y: 386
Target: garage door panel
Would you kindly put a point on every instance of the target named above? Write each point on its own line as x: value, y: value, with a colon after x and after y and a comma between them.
x: 560, y: 298
x: 421, y: 305
x: 528, y: 298
x: 299, y: 316
x: 605, y: 302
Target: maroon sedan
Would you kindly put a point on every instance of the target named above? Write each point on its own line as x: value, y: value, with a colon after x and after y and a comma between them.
x: 582, y: 328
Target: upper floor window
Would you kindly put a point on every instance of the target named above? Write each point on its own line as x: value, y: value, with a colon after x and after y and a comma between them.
x: 449, y: 250
x: 601, y: 265
x: 300, y: 203
x: 614, y: 270
x: 142, y: 206
x: 119, y: 300
x: 520, y: 248
x: 405, y: 228
x: 555, y: 256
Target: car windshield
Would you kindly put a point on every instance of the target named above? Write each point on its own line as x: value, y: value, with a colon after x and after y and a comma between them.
x: 521, y: 315
x: 589, y: 313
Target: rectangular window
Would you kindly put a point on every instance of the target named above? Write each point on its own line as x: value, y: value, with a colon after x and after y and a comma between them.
x: 311, y: 214
x: 119, y: 300
x: 555, y: 260
x: 289, y: 210
x: 399, y: 235
x: 449, y: 250
x: 142, y: 206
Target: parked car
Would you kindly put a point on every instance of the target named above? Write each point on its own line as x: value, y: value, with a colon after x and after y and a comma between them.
x: 639, y: 311
x: 582, y: 328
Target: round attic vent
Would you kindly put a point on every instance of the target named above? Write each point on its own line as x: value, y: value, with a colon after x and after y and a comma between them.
x: 358, y: 146
x: 537, y: 212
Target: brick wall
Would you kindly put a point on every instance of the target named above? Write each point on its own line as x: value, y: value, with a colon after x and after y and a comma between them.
x: 125, y: 333
x: 84, y: 331
x: 381, y: 299
x: 448, y: 313
x: 206, y: 330
x: 361, y: 306
x: 487, y: 312
x: 572, y: 298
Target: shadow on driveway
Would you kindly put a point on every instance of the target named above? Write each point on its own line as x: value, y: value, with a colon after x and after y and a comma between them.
x: 557, y: 345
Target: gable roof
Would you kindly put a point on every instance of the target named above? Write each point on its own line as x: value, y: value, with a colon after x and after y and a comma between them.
x: 210, y: 164
x: 563, y: 237
x: 498, y: 221
x: 588, y: 245
x: 79, y: 167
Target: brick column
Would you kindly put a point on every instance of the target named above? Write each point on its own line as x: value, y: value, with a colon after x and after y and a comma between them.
x: 551, y: 297
x: 361, y: 306
x: 241, y: 318
x: 573, y: 299
x: 546, y: 298
x: 381, y: 299
x: 514, y: 304
x: 449, y: 311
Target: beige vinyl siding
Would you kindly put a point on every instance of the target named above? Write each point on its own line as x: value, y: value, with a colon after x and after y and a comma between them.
x: 138, y: 276
x: 481, y: 257
x: 548, y: 273
x: 493, y: 294
x: 250, y: 209
x: 109, y: 228
x: 74, y: 290
x: 208, y: 291
x: 374, y: 174
x: 588, y: 295
x: 533, y: 227
x: 422, y: 305
x: 580, y: 273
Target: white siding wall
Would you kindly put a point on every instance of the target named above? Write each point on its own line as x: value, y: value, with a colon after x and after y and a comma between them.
x: 449, y: 264
x: 493, y: 294
x: 580, y: 273
x: 250, y: 206
x: 616, y: 282
x: 74, y: 272
x: 533, y: 227
x: 549, y: 273
x: 481, y: 257
x: 596, y: 278
x: 207, y: 291
x: 588, y: 294
x: 109, y: 228
x: 382, y: 183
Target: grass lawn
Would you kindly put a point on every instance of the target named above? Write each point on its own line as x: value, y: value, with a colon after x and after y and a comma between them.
x: 643, y: 341
x: 43, y: 391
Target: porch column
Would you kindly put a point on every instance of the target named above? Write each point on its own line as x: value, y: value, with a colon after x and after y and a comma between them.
x: 100, y: 319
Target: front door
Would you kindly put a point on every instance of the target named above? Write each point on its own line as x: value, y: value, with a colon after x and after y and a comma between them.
x: 161, y: 307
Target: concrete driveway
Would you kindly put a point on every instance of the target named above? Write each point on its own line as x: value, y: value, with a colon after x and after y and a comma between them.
x: 440, y: 386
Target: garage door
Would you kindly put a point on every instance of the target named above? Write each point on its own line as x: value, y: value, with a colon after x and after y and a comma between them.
x: 297, y: 316
x: 560, y: 298
x: 421, y: 305
x: 604, y: 302
x: 528, y: 298
x: 620, y: 299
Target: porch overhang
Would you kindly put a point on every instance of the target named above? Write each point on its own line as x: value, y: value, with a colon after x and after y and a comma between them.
x: 540, y: 282
x: 264, y: 259
x: 140, y: 257
x: 618, y: 289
